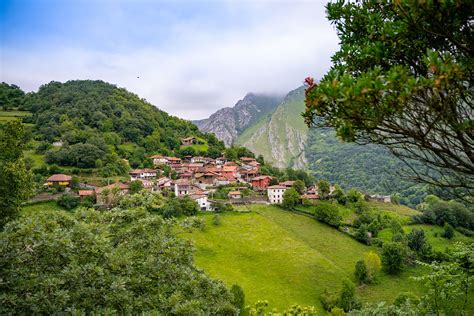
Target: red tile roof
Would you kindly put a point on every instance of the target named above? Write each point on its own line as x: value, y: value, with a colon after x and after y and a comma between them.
x: 59, y: 178
x: 277, y: 187
x: 86, y: 192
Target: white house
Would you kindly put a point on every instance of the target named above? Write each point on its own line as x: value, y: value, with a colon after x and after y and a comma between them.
x: 182, y: 187
x: 144, y: 174
x: 275, y: 193
x: 159, y: 160
x: 202, y: 201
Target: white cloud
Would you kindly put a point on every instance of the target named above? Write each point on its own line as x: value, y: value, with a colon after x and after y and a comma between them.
x: 200, y: 69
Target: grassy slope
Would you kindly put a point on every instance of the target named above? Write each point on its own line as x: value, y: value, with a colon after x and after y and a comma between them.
x: 40, y: 206
x: 437, y: 242
x: 6, y: 116
x: 286, y: 258
x: 272, y: 131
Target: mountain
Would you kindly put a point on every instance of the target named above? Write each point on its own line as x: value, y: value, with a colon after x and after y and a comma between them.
x: 281, y: 135
x: 285, y: 141
x: 228, y: 123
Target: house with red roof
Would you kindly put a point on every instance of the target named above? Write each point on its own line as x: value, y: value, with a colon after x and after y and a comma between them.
x: 234, y: 195
x: 59, y: 180
x: 261, y: 182
x: 143, y: 174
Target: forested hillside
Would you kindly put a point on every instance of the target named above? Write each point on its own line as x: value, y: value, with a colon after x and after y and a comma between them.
x: 94, y: 124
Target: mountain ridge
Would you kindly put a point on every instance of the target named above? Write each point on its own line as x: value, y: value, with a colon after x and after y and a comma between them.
x: 227, y: 123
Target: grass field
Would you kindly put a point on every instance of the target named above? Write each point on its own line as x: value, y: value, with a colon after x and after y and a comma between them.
x: 40, y: 206
x: 433, y: 234
x: 6, y: 116
x: 38, y: 160
x: 287, y: 258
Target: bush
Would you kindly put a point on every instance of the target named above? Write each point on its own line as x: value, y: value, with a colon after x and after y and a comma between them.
x: 448, y: 231
x: 374, y: 265
x: 238, y: 297
x: 328, y: 213
x: 416, y: 240
x: 393, y: 256
x: 403, y: 298
x: 68, y: 201
x: 347, y: 296
x: 466, y: 232
x: 361, y: 272
x: 291, y: 198
x: 216, y: 220
x: 362, y: 234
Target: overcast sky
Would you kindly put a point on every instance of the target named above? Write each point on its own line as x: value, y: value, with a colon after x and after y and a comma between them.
x: 191, y: 57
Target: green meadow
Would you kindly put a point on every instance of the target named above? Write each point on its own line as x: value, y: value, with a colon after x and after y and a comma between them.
x: 287, y: 258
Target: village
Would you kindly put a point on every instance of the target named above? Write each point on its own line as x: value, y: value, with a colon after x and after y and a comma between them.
x: 199, y: 178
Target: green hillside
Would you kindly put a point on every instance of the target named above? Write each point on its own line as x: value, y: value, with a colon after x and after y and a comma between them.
x: 285, y: 141
x: 97, y: 126
x: 287, y: 258
x: 280, y: 137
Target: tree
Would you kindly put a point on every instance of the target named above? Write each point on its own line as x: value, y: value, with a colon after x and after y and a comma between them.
x: 238, y: 297
x: 299, y: 186
x: 347, y: 295
x: 416, y: 240
x: 339, y: 195
x: 15, y: 179
x: 328, y: 213
x: 448, y: 231
x: 290, y: 198
x: 323, y: 189
x: 393, y: 255
x: 361, y: 273
x: 354, y: 196
x: 68, y: 201
x: 362, y: 234
x: 373, y: 263
x: 403, y: 79
x: 449, y: 284
x: 91, y: 262
x: 135, y: 186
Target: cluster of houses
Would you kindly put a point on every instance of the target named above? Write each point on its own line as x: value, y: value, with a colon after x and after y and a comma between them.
x: 196, y: 177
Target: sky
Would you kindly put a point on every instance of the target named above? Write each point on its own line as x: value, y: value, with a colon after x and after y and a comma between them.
x: 189, y: 58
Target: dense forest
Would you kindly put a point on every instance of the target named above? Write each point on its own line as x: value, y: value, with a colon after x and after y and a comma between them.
x: 369, y: 168
x: 94, y: 124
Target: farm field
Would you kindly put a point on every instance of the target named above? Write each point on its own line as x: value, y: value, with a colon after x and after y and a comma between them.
x: 287, y: 258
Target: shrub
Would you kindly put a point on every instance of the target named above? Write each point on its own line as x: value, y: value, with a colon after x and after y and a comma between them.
x: 291, y: 198
x: 403, y: 298
x: 328, y: 300
x: 393, y: 255
x: 347, y: 296
x: 136, y: 186
x: 238, y: 297
x: 68, y: 201
x: 448, y: 231
x: 328, y: 213
x: 416, y: 240
x: 361, y: 272
x: 466, y: 232
x: 216, y: 220
x: 362, y: 234
x: 354, y: 196
x: 374, y: 265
